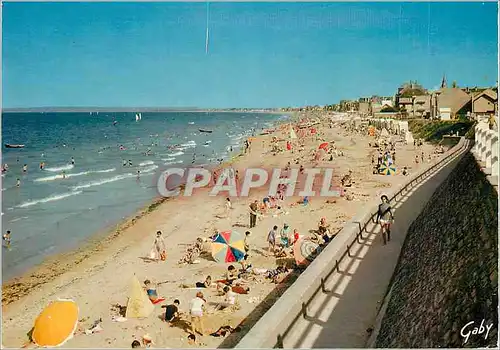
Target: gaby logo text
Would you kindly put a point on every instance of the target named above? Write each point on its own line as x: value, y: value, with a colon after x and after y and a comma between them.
x: 314, y: 182
x: 471, y: 329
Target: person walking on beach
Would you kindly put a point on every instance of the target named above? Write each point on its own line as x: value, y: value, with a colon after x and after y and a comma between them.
x: 385, y: 217
x: 158, y: 252
x: 492, y: 122
x: 247, y: 242
x: 271, y: 239
x: 228, y: 206
x: 196, y: 309
x: 253, y: 213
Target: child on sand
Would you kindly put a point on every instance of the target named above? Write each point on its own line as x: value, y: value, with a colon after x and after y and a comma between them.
x: 192, y: 339
x: 152, y: 293
x: 284, y: 234
x: 172, y: 311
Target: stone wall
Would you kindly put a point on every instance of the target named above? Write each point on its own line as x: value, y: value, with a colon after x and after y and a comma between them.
x: 447, y: 275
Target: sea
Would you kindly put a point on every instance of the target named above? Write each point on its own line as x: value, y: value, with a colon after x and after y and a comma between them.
x: 49, y: 214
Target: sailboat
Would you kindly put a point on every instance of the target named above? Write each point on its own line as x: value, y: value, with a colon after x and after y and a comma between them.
x: 138, y: 116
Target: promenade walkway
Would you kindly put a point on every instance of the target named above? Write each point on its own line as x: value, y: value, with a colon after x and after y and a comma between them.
x: 341, y: 308
x: 340, y: 316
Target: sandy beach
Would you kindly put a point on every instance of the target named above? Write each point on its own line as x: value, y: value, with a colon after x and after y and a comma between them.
x: 98, y: 276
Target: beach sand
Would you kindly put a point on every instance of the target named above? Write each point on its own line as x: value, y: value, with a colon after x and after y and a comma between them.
x: 98, y: 276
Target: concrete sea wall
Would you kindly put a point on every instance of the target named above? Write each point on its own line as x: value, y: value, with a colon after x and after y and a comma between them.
x: 447, y: 275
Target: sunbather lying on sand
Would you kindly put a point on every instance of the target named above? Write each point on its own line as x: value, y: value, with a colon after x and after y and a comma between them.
x: 276, y: 274
x: 206, y: 284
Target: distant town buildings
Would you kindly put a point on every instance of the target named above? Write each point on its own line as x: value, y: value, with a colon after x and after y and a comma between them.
x: 412, y: 100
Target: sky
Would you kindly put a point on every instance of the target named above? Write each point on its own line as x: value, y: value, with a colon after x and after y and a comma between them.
x: 259, y: 54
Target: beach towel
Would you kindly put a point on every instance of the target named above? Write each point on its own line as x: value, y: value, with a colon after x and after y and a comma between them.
x: 159, y: 300
x: 239, y: 290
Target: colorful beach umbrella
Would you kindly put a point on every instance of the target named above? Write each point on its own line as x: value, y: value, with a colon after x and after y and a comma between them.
x: 228, y: 246
x: 304, y: 251
x: 387, y: 169
x: 324, y: 146
x: 56, y: 323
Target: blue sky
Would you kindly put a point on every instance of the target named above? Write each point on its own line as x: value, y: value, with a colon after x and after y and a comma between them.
x: 260, y: 54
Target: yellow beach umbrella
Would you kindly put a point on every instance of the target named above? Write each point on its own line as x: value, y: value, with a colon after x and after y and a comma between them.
x: 56, y: 323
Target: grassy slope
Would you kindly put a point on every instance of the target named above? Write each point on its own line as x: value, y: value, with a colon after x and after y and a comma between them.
x: 433, y: 131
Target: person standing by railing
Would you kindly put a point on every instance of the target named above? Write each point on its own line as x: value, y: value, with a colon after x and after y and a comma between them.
x: 386, y: 217
x: 492, y: 122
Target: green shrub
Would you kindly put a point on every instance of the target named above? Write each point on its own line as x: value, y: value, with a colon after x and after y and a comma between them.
x: 433, y: 131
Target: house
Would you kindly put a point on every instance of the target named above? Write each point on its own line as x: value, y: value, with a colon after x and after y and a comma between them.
x: 452, y: 103
x: 407, y: 95
x: 485, y: 103
x: 422, y: 106
x: 364, y: 106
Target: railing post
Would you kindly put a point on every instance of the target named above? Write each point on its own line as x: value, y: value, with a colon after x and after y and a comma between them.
x: 279, y: 343
x: 337, y: 265
x: 349, y: 251
x: 477, y: 138
x: 304, y: 310
x: 323, y: 288
x: 494, y: 155
x: 484, y: 146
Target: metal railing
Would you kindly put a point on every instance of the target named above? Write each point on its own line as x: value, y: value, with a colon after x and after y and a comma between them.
x: 283, y: 315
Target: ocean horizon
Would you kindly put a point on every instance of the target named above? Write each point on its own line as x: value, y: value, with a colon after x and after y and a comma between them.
x: 90, y: 180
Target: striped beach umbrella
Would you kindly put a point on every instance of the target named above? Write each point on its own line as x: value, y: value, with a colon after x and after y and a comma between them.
x: 304, y: 251
x: 228, y: 246
x: 387, y: 169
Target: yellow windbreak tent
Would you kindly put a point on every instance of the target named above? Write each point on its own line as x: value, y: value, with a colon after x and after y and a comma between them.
x: 139, y: 305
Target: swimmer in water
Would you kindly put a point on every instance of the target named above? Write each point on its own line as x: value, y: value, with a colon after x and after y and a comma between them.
x: 6, y: 238
x: 72, y: 161
x: 18, y: 183
x: 124, y: 162
x: 129, y: 162
x: 25, y: 168
x: 42, y: 165
x: 63, y: 174
x: 138, y: 174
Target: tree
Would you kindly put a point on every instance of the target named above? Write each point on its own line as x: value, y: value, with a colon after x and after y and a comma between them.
x: 454, y: 84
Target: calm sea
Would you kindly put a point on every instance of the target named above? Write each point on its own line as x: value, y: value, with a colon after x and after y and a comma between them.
x: 48, y: 214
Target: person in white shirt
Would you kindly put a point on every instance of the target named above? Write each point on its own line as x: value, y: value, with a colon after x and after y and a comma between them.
x: 196, y: 309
